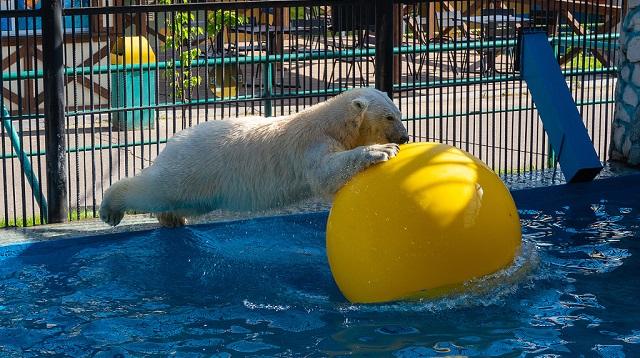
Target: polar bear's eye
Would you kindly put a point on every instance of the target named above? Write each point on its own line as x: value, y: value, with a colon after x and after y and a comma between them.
x: 390, y: 118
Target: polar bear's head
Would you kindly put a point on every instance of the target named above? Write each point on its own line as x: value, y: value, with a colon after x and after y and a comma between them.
x: 376, y: 117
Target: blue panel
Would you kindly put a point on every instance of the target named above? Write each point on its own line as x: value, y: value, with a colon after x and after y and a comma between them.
x: 78, y: 23
x: 558, y: 111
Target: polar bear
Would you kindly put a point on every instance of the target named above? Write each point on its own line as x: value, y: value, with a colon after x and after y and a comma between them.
x: 258, y: 163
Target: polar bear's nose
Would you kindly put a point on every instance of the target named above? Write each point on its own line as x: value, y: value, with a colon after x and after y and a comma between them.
x: 404, y: 139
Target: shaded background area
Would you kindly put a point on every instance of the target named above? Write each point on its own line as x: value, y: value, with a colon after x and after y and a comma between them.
x: 454, y: 78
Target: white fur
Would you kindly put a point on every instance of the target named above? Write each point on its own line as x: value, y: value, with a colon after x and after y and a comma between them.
x: 259, y: 163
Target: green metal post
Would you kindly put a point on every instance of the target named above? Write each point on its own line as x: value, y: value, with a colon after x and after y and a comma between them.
x: 16, y: 143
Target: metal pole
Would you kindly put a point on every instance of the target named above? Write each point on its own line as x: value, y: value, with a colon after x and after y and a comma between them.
x: 55, y: 142
x: 384, y: 46
x: 397, y: 30
x: 27, y: 169
x: 267, y: 77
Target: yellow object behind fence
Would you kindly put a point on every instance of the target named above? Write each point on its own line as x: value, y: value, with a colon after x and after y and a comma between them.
x: 420, y: 225
x: 132, y: 50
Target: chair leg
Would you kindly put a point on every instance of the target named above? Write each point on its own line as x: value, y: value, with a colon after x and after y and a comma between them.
x: 510, y: 59
x: 438, y: 61
x: 256, y: 74
x: 448, y: 58
x: 349, y: 68
x: 423, y: 56
x: 362, y: 79
x: 410, y: 59
x: 333, y: 68
x: 453, y: 62
x: 464, y: 61
x: 318, y: 41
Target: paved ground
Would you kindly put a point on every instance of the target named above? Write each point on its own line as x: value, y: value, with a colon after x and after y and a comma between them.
x: 492, y: 121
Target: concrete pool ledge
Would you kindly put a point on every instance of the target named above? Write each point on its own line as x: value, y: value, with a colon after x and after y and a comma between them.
x: 623, y: 189
x: 139, y: 222
x: 620, y: 183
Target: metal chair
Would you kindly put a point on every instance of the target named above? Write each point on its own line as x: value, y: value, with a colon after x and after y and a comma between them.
x: 351, y: 29
x: 448, y: 20
x: 312, y: 27
x: 496, y: 28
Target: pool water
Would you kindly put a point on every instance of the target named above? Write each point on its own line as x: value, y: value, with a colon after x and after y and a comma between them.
x: 263, y: 288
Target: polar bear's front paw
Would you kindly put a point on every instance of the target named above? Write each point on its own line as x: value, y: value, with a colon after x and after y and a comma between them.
x: 377, y: 153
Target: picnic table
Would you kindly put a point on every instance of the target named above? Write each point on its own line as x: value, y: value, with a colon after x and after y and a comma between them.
x: 564, y: 10
x: 495, y: 27
x: 567, y: 10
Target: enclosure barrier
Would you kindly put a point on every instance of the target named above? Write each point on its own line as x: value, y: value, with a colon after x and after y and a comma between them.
x: 447, y: 64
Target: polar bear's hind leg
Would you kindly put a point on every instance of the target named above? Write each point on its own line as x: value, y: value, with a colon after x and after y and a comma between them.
x: 171, y: 219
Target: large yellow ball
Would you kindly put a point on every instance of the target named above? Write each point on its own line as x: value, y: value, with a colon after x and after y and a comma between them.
x: 420, y: 225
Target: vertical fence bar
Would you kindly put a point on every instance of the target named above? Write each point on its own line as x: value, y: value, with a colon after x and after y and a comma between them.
x: 54, y: 115
x: 384, y: 46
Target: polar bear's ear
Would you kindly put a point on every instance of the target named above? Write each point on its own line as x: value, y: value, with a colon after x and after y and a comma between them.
x: 360, y: 104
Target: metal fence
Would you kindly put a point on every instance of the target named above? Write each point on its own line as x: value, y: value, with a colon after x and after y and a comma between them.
x: 134, y: 75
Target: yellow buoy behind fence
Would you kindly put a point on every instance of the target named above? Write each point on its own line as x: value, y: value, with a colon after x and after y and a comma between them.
x: 420, y: 225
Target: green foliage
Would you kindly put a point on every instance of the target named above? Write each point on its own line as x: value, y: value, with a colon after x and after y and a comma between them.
x: 296, y: 13
x: 182, y: 32
x: 582, y: 61
x: 20, y: 222
x: 73, y: 215
x: 218, y: 20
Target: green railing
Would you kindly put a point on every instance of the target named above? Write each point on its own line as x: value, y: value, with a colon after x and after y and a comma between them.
x: 589, y: 42
x: 586, y: 40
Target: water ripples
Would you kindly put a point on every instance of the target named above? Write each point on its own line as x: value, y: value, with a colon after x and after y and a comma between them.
x: 263, y: 287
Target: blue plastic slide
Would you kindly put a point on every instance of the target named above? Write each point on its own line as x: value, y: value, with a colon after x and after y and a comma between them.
x: 558, y: 111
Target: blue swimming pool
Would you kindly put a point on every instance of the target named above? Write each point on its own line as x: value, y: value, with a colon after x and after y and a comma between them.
x: 263, y: 288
